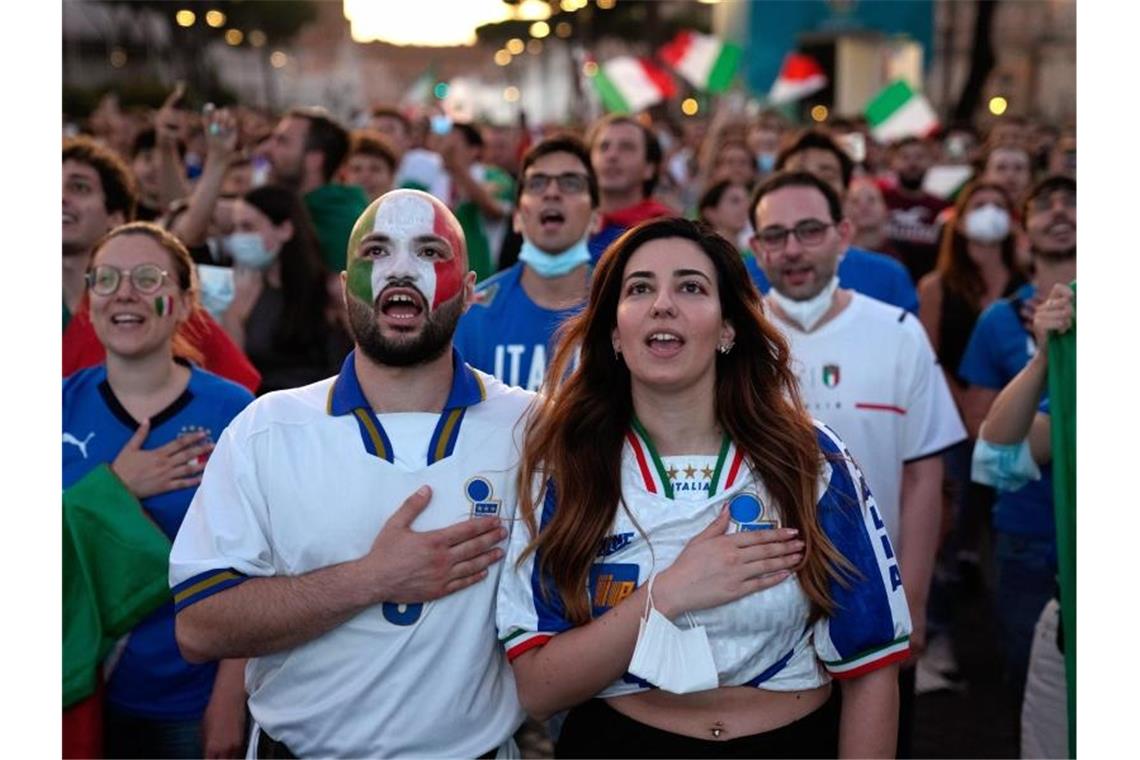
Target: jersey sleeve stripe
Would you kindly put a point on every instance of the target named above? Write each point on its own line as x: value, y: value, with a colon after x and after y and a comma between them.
x: 896, y: 651
x: 203, y: 585
x: 527, y: 642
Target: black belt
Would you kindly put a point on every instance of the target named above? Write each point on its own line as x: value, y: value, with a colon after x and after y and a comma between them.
x: 269, y: 748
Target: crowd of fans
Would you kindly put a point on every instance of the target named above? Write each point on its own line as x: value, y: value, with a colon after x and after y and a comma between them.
x: 963, y: 234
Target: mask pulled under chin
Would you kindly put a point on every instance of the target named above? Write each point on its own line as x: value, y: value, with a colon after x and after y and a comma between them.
x: 673, y: 659
x: 807, y: 313
x: 550, y: 265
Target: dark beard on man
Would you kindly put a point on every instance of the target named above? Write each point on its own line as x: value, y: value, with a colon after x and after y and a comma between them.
x: 430, y: 344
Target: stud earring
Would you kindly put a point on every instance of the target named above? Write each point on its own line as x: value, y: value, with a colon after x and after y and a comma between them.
x: 725, y: 348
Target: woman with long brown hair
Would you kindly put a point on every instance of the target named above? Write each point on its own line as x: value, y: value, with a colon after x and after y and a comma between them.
x: 671, y: 468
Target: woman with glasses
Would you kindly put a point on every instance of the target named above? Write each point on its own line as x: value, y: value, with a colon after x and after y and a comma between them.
x: 696, y: 559
x: 137, y: 431
x: 283, y: 314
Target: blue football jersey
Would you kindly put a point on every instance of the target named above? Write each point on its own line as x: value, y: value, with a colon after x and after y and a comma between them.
x: 150, y: 678
x: 508, y: 335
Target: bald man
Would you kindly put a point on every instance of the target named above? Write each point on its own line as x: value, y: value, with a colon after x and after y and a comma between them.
x: 346, y: 535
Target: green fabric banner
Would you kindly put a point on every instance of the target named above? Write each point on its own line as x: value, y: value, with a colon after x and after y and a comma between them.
x: 1063, y: 418
x: 115, y: 573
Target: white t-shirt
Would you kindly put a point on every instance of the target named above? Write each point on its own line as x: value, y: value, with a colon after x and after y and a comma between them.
x: 871, y: 375
x: 762, y: 640
x: 306, y: 478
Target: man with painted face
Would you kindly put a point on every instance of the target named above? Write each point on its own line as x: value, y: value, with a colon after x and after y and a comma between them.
x: 508, y: 330
x: 866, y: 369
x: 309, y: 548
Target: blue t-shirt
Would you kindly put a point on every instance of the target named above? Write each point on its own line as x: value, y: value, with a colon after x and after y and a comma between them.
x: 150, y: 678
x: 999, y: 348
x: 508, y: 335
x: 872, y: 274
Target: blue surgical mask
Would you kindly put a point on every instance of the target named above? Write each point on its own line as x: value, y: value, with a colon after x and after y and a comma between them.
x: 550, y: 265
x: 216, y: 285
x: 765, y: 162
x: 249, y: 251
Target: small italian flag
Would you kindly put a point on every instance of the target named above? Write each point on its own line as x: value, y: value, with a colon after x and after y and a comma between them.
x: 898, y: 111
x: 628, y: 85
x: 705, y: 61
x: 163, y: 305
x: 800, y: 76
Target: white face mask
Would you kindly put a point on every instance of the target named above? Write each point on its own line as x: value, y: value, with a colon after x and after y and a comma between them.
x: 673, y: 659
x: 807, y: 313
x: 987, y: 224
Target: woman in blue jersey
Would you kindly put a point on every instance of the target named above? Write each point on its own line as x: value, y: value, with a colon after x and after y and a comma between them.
x: 137, y: 431
x: 696, y: 559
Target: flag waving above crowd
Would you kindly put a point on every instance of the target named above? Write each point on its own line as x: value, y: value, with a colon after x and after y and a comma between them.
x: 628, y: 84
x: 800, y: 76
x: 898, y: 111
x: 706, y: 62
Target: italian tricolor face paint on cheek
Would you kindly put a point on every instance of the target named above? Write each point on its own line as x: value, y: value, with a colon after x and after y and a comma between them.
x: 404, y: 217
x: 163, y: 305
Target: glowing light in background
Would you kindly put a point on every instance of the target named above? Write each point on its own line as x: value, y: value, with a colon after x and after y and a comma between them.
x: 563, y: 29
x: 440, y: 90
x: 185, y: 18
x: 278, y: 59
x: 118, y: 58
x: 534, y: 47
x: 257, y: 38
x: 819, y: 113
x: 539, y: 29
x: 502, y: 57
x: 511, y: 94
x: 998, y: 105
x: 434, y: 23
x: 215, y: 19
x: 234, y: 36
x: 690, y: 107
x: 515, y: 46
x: 606, y: 5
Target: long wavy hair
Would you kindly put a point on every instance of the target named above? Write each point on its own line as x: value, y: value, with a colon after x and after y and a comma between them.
x: 960, y: 275
x: 574, y: 438
x: 303, y: 272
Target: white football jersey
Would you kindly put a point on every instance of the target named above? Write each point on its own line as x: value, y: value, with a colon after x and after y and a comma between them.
x: 872, y: 376
x: 763, y: 639
x: 306, y: 478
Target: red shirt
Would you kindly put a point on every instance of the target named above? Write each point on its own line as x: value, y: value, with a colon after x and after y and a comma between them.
x: 220, y: 355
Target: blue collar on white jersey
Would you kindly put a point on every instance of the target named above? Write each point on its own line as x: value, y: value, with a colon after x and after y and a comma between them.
x: 347, y: 397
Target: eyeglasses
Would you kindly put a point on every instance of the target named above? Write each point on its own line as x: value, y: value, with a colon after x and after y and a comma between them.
x: 810, y: 233
x: 146, y: 279
x: 568, y: 182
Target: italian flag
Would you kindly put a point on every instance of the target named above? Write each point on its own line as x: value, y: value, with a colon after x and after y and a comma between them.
x: 898, y: 111
x: 705, y: 61
x: 628, y: 85
x: 800, y: 76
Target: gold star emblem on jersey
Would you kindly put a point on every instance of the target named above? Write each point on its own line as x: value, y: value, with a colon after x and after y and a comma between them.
x: 707, y: 471
x: 690, y: 471
x: 671, y: 472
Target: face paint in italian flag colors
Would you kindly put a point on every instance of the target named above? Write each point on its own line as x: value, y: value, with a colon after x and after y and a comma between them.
x: 390, y: 242
x: 163, y: 305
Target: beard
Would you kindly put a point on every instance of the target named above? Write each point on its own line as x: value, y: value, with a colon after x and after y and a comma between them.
x: 1062, y: 255
x: 430, y: 344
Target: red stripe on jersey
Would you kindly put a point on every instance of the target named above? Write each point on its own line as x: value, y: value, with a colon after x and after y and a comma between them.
x: 879, y: 407
x: 874, y: 665
x: 637, y: 452
x: 737, y: 459
x: 526, y: 646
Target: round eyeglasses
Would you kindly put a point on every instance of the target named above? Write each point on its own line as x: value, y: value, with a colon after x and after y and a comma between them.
x: 146, y: 279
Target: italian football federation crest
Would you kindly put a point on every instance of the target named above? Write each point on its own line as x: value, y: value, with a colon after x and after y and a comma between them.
x: 190, y: 430
x: 746, y: 512
x: 830, y: 375
x: 482, y: 497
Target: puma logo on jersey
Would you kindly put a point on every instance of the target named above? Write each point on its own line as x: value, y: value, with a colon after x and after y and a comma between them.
x: 81, y: 445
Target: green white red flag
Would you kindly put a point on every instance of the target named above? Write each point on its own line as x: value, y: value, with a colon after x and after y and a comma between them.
x: 706, y: 62
x: 628, y: 84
